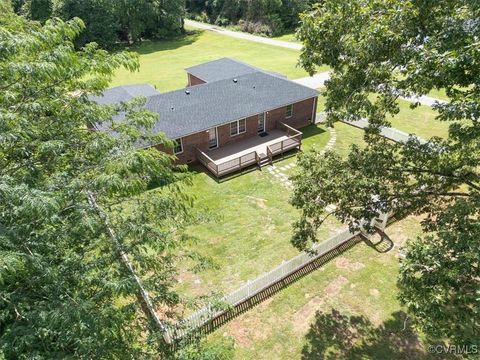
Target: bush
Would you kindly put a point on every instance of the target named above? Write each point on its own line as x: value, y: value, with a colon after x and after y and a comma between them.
x: 221, y: 21
x: 201, y: 17
x: 259, y: 27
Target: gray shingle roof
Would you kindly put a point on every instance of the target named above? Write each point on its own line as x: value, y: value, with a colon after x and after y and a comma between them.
x: 220, y: 69
x: 124, y: 93
x: 216, y: 102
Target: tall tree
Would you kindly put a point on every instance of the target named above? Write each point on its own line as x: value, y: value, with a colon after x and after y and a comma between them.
x: 380, y: 50
x: 101, y: 23
x: 64, y: 291
x: 39, y: 10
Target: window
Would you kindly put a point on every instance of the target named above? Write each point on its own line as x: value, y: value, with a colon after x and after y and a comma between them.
x: 242, y: 124
x: 178, y: 149
x: 237, y: 127
x: 289, y: 111
x: 233, y: 128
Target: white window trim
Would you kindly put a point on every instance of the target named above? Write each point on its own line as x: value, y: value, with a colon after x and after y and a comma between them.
x: 238, y: 127
x: 286, y: 111
x: 181, y: 146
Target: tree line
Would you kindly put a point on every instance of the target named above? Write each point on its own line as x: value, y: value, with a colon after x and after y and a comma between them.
x: 268, y: 17
x: 109, y: 22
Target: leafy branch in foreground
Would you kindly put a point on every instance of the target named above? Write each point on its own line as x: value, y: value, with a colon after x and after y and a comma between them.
x: 379, y: 51
x: 64, y: 291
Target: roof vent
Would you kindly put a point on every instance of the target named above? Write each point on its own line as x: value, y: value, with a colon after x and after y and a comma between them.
x: 172, y: 108
x: 254, y: 86
x: 187, y: 92
x: 235, y: 80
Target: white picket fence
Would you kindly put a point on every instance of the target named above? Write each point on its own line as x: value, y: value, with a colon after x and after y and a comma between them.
x: 264, y: 281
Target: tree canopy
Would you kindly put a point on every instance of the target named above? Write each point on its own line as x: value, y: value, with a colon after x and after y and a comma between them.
x: 269, y: 17
x: 108, y: 22
x: 63, y: 290
x: 378, y: 51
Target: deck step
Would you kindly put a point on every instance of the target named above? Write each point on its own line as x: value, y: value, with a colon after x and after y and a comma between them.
x: 264, y: 162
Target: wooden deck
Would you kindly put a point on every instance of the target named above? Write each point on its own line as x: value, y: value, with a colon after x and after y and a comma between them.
x: 256, y: 150
x: 256, y: 143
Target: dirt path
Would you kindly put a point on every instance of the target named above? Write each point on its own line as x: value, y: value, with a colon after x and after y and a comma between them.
x: 242, y: 35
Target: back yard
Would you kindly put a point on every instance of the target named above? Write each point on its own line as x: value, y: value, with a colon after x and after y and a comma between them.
x: 162, y: 63
x: 251, y: 230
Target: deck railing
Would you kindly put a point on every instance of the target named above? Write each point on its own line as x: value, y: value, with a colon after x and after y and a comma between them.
x: 229, y: 166
x: 293, y: 141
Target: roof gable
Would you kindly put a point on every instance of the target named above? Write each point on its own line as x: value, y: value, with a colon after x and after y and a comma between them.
x: 224, y: 68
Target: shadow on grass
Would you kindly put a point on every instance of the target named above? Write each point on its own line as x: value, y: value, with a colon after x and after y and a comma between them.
x: 312, y: 130
x: 151, y: 46
x: 337, y: 336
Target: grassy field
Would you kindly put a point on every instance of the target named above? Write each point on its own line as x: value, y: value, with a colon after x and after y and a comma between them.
x: 420, y: 121
x: 354, y: 292
x: 162, y: 63
x: 252, y: 227
x: 252, y: 235
x: 286, y: 37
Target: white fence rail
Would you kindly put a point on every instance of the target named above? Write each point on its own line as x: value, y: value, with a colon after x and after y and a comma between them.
x: 251, y: 288
x: 264, y: 281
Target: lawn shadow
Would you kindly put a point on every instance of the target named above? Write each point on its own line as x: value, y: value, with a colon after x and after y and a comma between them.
x: 149, y: 46
x: 337, y: 336
x: 383, y: 245
x: 312, y: 130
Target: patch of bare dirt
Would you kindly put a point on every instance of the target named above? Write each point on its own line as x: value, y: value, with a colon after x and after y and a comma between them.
x: 301, y: 318
x: 334, y: 287
x: 374, y: 292
x: 241, y: 335
x: 248, y: 329
x: 264, y: 304
x: 344, y: 263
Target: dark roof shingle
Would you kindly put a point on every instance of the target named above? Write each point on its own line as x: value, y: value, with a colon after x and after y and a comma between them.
x: 224, y: 68
x: 216, y: 103
x: 240, y: 91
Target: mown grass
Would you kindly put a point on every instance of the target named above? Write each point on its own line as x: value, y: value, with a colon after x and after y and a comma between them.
x: 420, y: 121
x: 361, y: 282
x: 290, y: 36
x: 162, y: 63
x: 251, y: 233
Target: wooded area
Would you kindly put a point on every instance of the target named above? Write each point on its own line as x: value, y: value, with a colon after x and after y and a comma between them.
x: 108, y: 22
x: 268, y: 17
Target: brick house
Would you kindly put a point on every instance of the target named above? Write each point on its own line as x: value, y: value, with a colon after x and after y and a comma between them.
x: 231, y: 115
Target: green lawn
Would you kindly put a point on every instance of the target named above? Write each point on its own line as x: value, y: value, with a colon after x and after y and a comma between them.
x: 359, y: 283
x: 420, y: 121
x: 439, y: 94
x: 162, y: 63
x: 253, y: 236
x: 290, y: 36
x: 253, y: 232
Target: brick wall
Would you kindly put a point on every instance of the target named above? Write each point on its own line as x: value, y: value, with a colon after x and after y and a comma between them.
x: 224, y: 137
x: 302, y: 116
x: 193, y: 80
x: 199, y: 140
